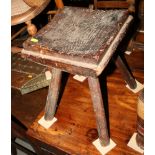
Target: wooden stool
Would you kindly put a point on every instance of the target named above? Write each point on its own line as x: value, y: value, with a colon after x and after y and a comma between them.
x: 81, y: 41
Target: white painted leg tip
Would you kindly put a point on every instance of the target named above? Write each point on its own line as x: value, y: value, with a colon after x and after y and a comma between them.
x: 132, y: 144
x: 79, y: 78
x: 128, y: 52
x: 47, y: 124
x: 138, y: 88
x: 104, y: 149
x: 48, y: 75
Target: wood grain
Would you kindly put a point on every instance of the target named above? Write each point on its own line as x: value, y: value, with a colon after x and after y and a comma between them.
x: 115, y: 4
x: 53, y: 94
x: 99, y: 110
x: 75, y: 129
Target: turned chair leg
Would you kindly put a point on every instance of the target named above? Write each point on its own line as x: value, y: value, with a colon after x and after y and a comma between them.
x: 99, y: 110
x: 125, y: 73
x: 31, y: 28
x: 53, y: 93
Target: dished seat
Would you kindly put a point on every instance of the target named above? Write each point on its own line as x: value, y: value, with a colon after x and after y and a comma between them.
x: 80, y: 41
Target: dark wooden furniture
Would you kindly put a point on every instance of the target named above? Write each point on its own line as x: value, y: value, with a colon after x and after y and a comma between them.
x: 136, y: 45
x: 113, y: 4
x: 24, y: 110
x: 81, y: 41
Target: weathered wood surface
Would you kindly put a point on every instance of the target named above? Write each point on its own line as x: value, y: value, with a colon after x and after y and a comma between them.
x: 83, y: 33
x: 99, y: 110
x: 76, y: 65
x: 73, y: 69
x: 53, y: 94
x: 67, y: 63
x: 76, y: 128
x: 27, y: 76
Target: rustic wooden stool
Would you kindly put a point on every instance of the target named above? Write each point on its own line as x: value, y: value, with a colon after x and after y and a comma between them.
x: 81, y: 41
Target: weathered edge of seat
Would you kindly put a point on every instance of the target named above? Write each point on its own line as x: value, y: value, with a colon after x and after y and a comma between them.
x: 79, y: 67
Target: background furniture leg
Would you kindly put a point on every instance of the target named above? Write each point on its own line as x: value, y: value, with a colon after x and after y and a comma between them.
x: 99, y: 110
x: 19, y: 32
x: 31, y: 28
x: 125, y: 73
x: 53, y: 93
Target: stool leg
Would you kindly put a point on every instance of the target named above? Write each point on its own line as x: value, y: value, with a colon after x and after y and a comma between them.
x: 125, y: 73
x: 99, y: 110
x: 53, y: 93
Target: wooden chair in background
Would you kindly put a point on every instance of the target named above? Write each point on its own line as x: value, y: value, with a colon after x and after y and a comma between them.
x: 81, y: 41
x: 115, y: 4
x: 23, y: 11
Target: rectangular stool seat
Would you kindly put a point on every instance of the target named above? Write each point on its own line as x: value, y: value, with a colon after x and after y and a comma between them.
x: 80, y: 37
